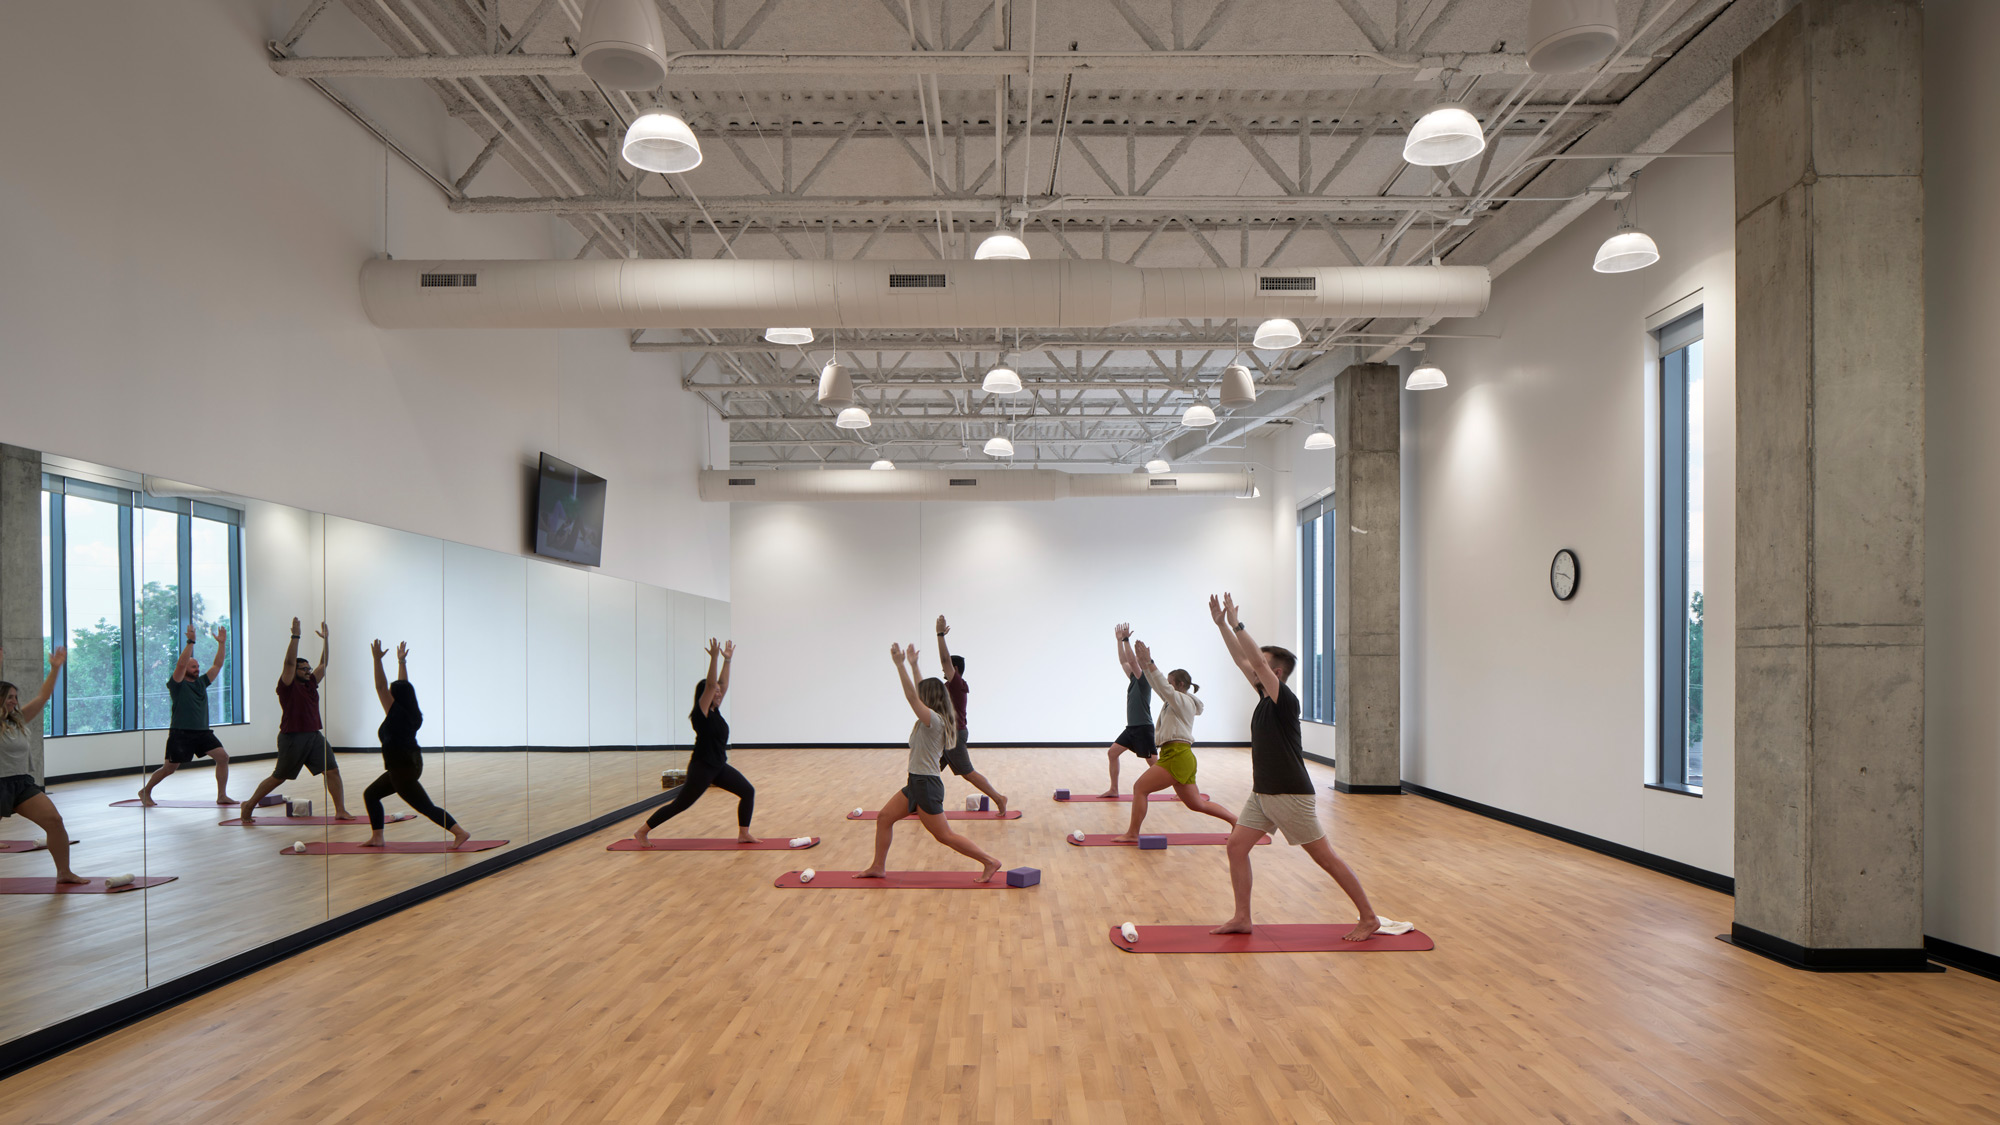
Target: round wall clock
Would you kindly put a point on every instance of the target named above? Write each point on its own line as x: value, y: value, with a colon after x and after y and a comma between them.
x: 1564, y: 574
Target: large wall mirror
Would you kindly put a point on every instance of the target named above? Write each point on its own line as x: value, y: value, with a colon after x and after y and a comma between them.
x: 550, y: 695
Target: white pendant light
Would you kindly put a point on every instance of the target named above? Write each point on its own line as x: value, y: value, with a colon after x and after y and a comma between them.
x: 1445, y: 135
x: 1001, y: 381
x: 1198, y: 415
x: 1001, y: 245
x: 997, y: 446
x: 1319, y: 439
x: 622, y: 45
x: 836, y: 390
x: 854, y: 418
x: 1156, y: 465
x: 661, y: 142
x: 788, y: 335
x: 1237, y: 388
x: 883, y: 464
x: 1425, y: 378
x: 1276, y: 335
x: 1566, y: 36
x: 1630, y: 249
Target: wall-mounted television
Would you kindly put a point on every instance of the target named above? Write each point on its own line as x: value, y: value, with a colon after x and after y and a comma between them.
x: 569, y: 513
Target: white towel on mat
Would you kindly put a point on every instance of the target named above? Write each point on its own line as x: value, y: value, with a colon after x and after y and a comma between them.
x: 1391, y: 927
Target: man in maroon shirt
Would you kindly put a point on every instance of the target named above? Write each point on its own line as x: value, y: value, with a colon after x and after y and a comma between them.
x: 301, y: 739
x: 954, y: 685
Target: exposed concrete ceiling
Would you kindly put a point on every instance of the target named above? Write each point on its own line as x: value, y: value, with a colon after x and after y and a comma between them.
x: 1167, y: 132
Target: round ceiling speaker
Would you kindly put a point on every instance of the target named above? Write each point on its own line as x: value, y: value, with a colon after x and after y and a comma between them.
x: 622, y: 46
x: 836, y: 390
x: 1566, y: 36
x: 1237, y: 389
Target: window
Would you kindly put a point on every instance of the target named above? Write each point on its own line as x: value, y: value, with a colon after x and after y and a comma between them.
x: 1680, y: 609
x: 1316, y: 605
x: 126, y: 574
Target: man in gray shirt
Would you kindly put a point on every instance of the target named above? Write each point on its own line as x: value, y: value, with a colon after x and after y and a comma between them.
x: 1137, y: 737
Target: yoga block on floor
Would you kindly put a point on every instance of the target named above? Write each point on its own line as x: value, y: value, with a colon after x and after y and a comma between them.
x: 1152, y: 843
x: 673, y: 779
x: 985, y: 804
x: 1024, y: 876
x: 1062, y: 794
x: 298, y: 808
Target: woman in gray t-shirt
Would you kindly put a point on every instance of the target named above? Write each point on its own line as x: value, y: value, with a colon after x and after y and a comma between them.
x: 21, y: 793
x: 935, y: 731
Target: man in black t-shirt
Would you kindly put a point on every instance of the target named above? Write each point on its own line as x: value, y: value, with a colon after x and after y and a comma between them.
x: 1281, y: 791
x: 1137, y: 737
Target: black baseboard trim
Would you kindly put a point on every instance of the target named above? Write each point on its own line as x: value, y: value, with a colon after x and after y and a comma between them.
x: 135, y: 771
x: 976, y: 744
x: 268, y: 755
x: 1312, y: 757
x: 1975, y: 961
x: 1828, y: 960
x: 1683, y: 871
x: 48, y: 1042
x: 1383, y: 790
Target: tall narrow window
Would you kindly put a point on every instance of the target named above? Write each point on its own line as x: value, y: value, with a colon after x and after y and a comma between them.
x: 1316, y: 610
x: 1681, y: 554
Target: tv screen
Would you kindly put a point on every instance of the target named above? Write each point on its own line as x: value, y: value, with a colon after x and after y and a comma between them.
x: 569, y: 513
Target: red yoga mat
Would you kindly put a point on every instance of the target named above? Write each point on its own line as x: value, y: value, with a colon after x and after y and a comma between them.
x: 399, y: 847
x: 281, y: 821
x: 20, y: 846
x: 954, y: 814
x: 777, y: 844
x: 1174, y: 839
x: 1284, y: 937
x: 1078, y: 798
x: 49, y: 886
x: 898, y: 881
x: 135, y: 803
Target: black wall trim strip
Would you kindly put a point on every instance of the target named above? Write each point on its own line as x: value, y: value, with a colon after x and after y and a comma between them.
x: 1659, y: 863
x: 1364, y: 790
x: 1963, y: 957
x: 1312, y: 757
x: 975, y: 743
x: 1828, y: 960
x: 40, y: 1046
x: 267, y: 755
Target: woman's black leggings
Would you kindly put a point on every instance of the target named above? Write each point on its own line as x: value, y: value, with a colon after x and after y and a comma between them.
x: 723, y: 777
x: 400, y: 778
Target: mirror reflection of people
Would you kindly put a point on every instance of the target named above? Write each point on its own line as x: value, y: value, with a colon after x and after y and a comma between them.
x: 1175, y: 767
x: 959, y: 756
x: 402, y: 760
x: 1137, y: 737
x: 935, y: 729
x: 20, y: 794
x: 709, y: 765
x: 301, y: 734
x: 188, y: 733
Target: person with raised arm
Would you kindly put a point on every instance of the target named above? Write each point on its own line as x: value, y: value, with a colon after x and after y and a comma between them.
x: 1176, y: 765
x: 402, y: 759
x: 1137, y: 737
x: 301, y: 735
x: 709, y: 765
x: 958, y: 757
x: 188, y: 733
x: 1281, y: 792
x: 20, y: 793
x: 935, y: 729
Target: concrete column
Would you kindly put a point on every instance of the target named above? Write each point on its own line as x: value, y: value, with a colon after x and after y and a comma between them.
x: 21, y: 575
x: 1830, y: 512
x: 1367, y: 576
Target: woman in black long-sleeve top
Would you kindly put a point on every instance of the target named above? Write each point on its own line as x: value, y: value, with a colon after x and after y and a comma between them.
x: 402, y: 760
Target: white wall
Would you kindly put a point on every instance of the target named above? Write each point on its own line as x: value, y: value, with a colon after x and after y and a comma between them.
x: 1962, y: 656
x: 1541, y: 442
x: 1032, y: 590
x: 184, y: 302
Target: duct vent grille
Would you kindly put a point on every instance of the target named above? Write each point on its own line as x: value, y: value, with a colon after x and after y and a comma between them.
x: 965, y: 482
x: 916, y: 281
x: 447, y: 280
x: 735, y: 481
x: 1163, y: 482
x: 1287, y: 285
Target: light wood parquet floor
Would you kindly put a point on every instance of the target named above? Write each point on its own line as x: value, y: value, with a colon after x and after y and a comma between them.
x: 586, y: 986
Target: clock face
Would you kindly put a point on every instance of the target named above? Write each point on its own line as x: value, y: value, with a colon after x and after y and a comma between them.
x: 1564, y: 574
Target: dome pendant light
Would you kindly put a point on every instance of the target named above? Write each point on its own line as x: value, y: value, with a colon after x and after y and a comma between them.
x: 1447, y: 134
x: 1198, y: 416
x: 854, y: 418
x: 1157, y: 465
x: 1276, y: 335
x: 1002, y: 380
x: 622, y: 45
x: 1000, y: 244
x: 1629, y: 248
x: 1567, y: 36
x: 997, y: 446
x: 1425, y: 378
x: 1237, y: 388
x: 788, y: 335
x: 883, y: 464
x: 661, y: 142
x: 1319, y: 439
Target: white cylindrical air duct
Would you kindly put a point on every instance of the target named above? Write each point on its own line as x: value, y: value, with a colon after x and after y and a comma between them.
x: 949, y: 484
x: 1061, y: 293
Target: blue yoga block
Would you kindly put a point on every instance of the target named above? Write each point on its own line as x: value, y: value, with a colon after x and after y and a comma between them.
x: 985, y: 804
x: 1024, y: 876
x: 1152, y: 843
x: 1062, y: 794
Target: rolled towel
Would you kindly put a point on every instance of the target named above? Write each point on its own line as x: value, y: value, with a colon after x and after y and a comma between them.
x: 972, y: 803
x: 858, y: 811
x: 1077, y: 835
x: 118, y: 881
x: 1130, y: 931
x: 806, y: 876
x: 802, y: 841
x: 1392, y: 927
x: 299, y: 845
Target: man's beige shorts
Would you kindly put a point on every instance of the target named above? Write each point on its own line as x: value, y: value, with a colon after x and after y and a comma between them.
x: 1296, y: 814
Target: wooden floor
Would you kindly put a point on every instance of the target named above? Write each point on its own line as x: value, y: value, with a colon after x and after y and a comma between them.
x: 586, y: 986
